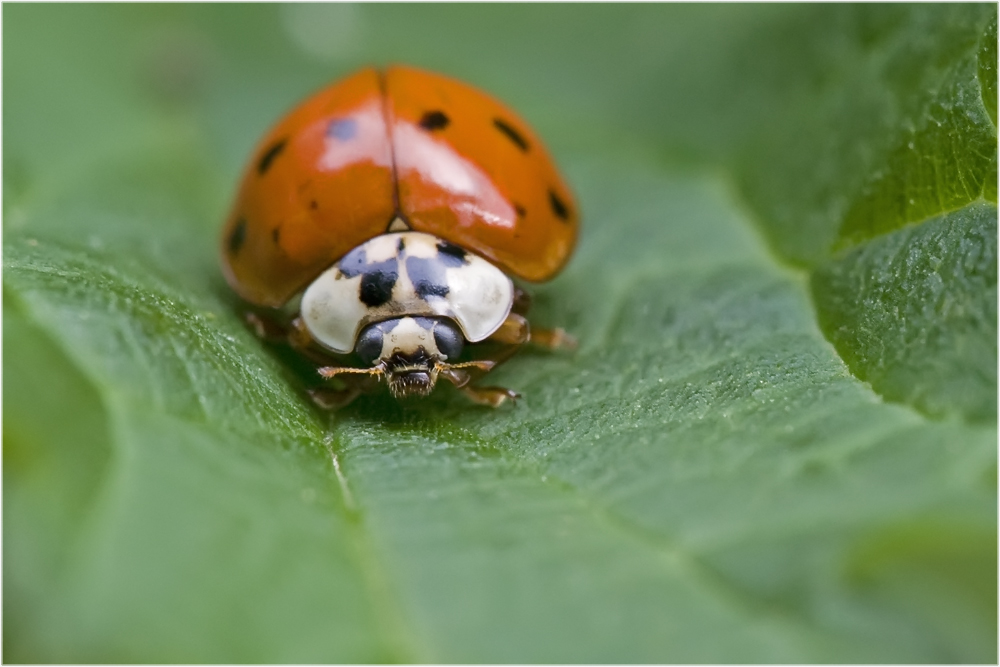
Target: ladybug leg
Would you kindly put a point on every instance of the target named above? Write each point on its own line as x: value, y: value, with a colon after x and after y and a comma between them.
x: 294, y: 334
x: 331, y: 371
x: 299, y: 337
x: 266, y: 328
x: 522, y: 302
x: 332, y: 399
x: 515, y: 331
x: 459, y: 375
x: 357, y: 381
x: 512, y: 334
x: 552, y: 339
x: 491, y: 396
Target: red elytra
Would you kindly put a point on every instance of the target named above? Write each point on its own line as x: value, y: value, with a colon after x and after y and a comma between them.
x: 442, y: 156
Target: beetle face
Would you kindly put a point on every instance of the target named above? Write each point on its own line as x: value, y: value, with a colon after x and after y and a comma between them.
x: 410, y: 351
x: 411, y: 375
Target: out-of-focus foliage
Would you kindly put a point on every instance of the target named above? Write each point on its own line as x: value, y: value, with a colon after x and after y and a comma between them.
x: 706, y: 479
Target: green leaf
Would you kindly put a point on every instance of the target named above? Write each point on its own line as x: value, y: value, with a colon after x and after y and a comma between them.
x: 913, y: 312
x: 776, y: 443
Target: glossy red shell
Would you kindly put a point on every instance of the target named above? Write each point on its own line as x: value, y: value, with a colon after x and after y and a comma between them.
x: 446, y: 158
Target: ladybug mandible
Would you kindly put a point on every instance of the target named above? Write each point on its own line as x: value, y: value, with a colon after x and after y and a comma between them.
x: 380, y: 221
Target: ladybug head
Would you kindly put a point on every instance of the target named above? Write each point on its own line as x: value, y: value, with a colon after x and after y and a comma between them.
x: 410, y: 352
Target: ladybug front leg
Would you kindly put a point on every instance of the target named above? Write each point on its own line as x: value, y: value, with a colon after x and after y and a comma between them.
x: 522, y: 302
x: 356, y: 381
x: 511, y: 335
x: 552, y: 339
x: 327, y: 398
x: 491, y: 396
x: 293, y: 334
x: 296, y: 335
x: 459, y: 376
x: 508, y: 339
x: 265, y: 327
x: 515, y: 331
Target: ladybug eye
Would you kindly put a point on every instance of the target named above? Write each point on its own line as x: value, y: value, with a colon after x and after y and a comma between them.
x: 369, y: 345
x: 448, y: 340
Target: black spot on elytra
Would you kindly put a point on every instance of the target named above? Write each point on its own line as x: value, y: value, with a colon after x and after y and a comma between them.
x: 434, y: 120
x: 377, y: 283
x: 238, y: 236
x: 558, y: 206
x: 276, y: 235
x: 520, y: 210
x: 427, y: 276
x: 313, y: 205
x: 511, y: 133
x: 269, y: 156
x: 343, y: 129
x: 425, y: 290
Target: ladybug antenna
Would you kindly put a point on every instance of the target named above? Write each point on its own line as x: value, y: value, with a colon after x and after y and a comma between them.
x: 330, y: 371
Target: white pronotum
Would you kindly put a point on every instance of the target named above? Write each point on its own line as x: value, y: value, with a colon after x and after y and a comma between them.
x: 408, y: 273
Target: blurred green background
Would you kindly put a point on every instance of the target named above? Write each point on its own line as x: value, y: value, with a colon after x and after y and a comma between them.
x: 777, y: 442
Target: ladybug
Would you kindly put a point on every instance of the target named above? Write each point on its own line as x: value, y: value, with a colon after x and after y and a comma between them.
x: 378, y: 226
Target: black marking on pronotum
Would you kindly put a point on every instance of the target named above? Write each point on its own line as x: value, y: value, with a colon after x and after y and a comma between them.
x: 427, y: 276
x: 401, y: 246
x: 434, y: 120
x: 558, y: 207
x: 425, y: 289
x: 269, y: 155
x: 425, y: 323
x: 276, y: 235
x: 511, y: 133
x: 450, y: 254
x: 377, y: 283
x: 343, y: 129
x: 238, y: 236
x: 353, y: 263
x: 520, y: 210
